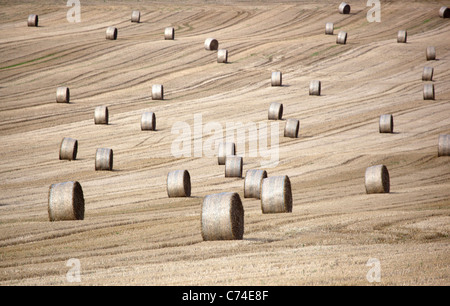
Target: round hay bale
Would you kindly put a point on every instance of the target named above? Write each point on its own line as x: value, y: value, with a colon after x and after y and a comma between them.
x: 222, y: 217
x: 111, y: 33
x: 275, y: 111
x: 444, y: 145
x: 225, y: 149
x: 101, y: 115
x: 252, y: 183
x: 344, y: 8
x: 386, y: 124
x: 291, y: 128
x: 444, y: 12
x: 222, y: 56
x: 341, y: 38
x: 402, y: 36
x: 315, y: 88
x: 277, y: 78
x: 68, y: 149
x: 33, y: 20
x: 178, y: 184
x: 169, y: 33
x: 148, y: 121
x: 233, y: 166
x: 428, y: 92
x: 135, y: 16
x: 329, y: 28
x: 211, y: 44
x: 157, y: 92
x: 377, y: 179
x: 104, y: 159
x: 431, y: 53
x: 276, y: 195
x: 65, y: 201
x: 62, y: 95
x: 427, y: 74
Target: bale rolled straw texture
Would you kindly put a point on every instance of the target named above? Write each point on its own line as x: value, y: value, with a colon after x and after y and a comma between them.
x: 222, y: 56
x: 222, y: 217
x: 344, y: 8
x: 386, y: 124
x: 62, y: 95
x: 157, y: 92
x: 444, y: 12
x: 315, y: 87
x: 276, y: 195
x: 341, y: 38
x: 275, y: 111
x: 178, y: 184
x: 101, y: 115
x: 377, y: 179
x: 252, y: 183
x: 291, y: 128
x: 329, y: 28
x: 111, y: 33
x: 402, y: 36
x: 225, y: 149
x: 148, y: 121
x: 431, y: 53
x: 444, y: 145
x: 427, y: 74
x: 33, y: 20
x: 169, y: 33
x: 211, y: 44
x: 68, y: 149
x: 65, y: 201
x: 135, y: 16
x: 104, y: 159
x: 428, y: 92
x: 276, y: 78
x: 233, y: 166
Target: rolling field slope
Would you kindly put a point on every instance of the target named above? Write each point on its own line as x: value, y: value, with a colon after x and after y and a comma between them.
x: 133, y: 234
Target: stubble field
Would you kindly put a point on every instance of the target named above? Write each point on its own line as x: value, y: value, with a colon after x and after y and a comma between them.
x: 133, y: 234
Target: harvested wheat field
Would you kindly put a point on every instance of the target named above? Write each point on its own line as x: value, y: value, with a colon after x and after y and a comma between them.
x: 133, y: 233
